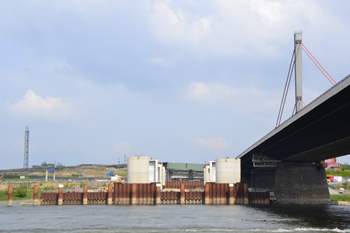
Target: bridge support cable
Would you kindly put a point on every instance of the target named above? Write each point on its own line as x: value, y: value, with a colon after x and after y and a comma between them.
x: 301, y: 102
x: 318, y: 65
x: 285, y: 91
x: 295, y: 107
x: 285, y: 97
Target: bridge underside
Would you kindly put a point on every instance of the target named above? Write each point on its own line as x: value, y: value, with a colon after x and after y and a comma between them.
x: 319, y: 131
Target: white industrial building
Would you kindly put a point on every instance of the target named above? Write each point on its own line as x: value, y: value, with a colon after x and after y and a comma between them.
x: 156, y: 171
x: 223, y: 171
x: 142, y: 170
x: 210, y: 172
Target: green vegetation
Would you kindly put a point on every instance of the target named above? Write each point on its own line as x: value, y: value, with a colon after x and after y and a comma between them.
x: 68, y: 185
x: 120, y: 166
x: 338, y: 173
x: 49, y: 188
x: 3, y: 195
x: 21, y: 191
x: 81, y: 184
x: 27, y: 179
x: 121, y: 172
x: 340, y: 197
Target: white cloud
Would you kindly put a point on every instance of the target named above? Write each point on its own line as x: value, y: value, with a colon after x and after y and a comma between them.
x: 174, y: 25
x: 65, y: 146
x: 33, y: 105
x: 232, y: 27
x: 212, y: 143
x: 123, y: 147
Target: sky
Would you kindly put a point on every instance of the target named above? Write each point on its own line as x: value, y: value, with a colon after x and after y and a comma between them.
x: 179, y: 81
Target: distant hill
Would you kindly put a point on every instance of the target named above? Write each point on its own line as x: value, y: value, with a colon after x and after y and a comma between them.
x: 83, y: 170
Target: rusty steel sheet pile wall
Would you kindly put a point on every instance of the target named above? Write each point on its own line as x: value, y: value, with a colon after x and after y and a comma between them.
x: 170, y: 198
x: 261, y: 198
x: 10, y: 195
x: 189, y: 184
x: 220, y: 194
x: 49, y: 198
x: 216, y: 194
x: 149, y: 194
x: 194, y: 197
x: 136, y: 194
x: 98, y: 198
x: 72, y: 198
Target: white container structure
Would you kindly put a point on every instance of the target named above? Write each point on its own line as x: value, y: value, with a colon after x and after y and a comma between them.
x: 228, y: 170
x: 156, y: 172
x: 210, y: 172
x: 138, y: 170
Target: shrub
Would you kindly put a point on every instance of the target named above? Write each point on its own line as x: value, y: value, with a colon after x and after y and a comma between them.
x: 21, y: 191
x: 3, y: 193
x: 68, y: 185
x: 48, y: 188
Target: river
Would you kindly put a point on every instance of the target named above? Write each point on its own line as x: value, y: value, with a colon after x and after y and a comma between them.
x: 174, y: 218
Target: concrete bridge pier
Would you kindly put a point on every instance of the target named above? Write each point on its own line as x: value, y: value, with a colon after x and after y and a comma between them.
x: 263, y: 179
x: 301, y: 183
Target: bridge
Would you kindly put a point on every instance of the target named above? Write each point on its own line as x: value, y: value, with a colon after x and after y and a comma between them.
x: 287, y: 159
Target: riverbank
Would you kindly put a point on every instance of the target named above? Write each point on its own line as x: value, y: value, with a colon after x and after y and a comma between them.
x: 30, y: 202
x: 14, y: 201
x: 343, y: 203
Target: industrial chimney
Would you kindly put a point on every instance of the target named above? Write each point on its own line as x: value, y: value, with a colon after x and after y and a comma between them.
x: 26, y: 148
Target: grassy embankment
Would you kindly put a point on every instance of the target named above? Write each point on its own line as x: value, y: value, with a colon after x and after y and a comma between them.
x: 86, y: 170
x: 344, y: 173
x: 346, y: 185
x: 25, y: 191
x: 340, y: 197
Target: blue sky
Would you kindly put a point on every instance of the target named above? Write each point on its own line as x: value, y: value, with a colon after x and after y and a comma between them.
x: 180, y: 81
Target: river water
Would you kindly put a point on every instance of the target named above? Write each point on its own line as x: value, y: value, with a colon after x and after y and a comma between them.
x: 174, y: 218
